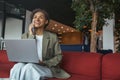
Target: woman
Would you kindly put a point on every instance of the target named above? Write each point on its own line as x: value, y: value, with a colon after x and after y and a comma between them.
x: 47, y: 46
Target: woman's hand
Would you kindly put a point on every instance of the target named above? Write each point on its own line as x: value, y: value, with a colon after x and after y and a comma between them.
x: 30, y: 28
x: 41, y: 63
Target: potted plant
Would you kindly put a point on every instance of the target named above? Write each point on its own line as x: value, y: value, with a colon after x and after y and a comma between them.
x: 92, y: 13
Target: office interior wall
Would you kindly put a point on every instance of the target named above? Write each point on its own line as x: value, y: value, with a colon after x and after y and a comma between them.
x: 13, y: 28
x: 1, y: 23
x: 108, y: 35
x: 0, y: 27
x: 27, y: 20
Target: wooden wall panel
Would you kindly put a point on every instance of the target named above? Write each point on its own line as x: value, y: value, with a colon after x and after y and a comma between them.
x: 66, y: 34
x: 71, y: 38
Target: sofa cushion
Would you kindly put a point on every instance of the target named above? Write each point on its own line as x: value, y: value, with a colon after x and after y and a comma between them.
x: 111, y: 67
x: 5, y: 69
x: 75, y: 77
x: 82, y: 63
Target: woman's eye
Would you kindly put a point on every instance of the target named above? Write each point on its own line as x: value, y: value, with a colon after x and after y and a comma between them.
x: 41, y: 17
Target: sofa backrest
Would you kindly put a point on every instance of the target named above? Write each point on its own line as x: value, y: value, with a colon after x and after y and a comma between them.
x: 111, y: 66
x: 82, y: 63
x: 5, y: 64
x: 3, y: 56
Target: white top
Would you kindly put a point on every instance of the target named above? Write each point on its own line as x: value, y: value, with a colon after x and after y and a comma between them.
x: 39, y: 45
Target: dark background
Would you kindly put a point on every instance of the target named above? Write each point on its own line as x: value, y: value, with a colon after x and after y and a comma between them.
x: 59, y: 10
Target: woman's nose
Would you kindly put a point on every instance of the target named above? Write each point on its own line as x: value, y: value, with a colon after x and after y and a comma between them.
x: 37, y: 19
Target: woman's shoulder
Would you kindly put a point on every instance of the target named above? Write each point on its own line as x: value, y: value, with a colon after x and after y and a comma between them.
x: 27, y: 35
x: 50, y: 33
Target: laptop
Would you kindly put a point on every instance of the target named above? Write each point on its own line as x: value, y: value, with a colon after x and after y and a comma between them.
x: 22, y: 50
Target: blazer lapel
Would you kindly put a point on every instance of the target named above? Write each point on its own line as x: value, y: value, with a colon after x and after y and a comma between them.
x: 45, y: 43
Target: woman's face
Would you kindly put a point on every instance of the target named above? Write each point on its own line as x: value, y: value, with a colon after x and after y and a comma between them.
x: 39, y: 20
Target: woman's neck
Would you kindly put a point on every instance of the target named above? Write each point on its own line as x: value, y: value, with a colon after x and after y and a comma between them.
x: 39, y: 31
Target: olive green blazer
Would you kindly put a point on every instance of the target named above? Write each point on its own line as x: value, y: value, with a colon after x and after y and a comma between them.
x: 51, y: 52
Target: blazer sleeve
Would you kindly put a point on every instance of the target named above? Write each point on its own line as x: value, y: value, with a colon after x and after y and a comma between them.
x: 54, y: 61
x: 27, y: 36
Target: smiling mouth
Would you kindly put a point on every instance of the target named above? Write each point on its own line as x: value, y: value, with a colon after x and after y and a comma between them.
x: 37, y: 23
